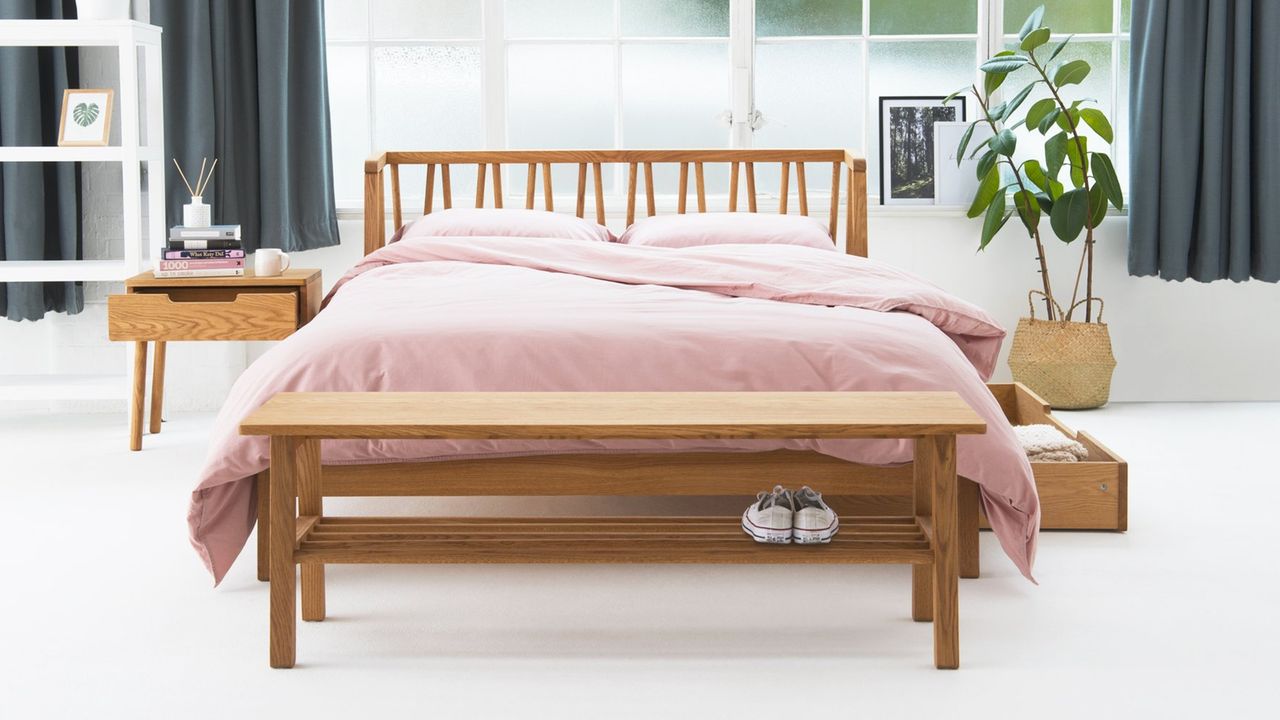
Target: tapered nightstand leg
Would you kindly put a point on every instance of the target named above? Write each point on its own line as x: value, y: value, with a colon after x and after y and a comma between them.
x: 157, y: 387
x: 139, y: 393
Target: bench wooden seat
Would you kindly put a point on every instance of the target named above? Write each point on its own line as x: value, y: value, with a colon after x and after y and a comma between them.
x: 300, y: 534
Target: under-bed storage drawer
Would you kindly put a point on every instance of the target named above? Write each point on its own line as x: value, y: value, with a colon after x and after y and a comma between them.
x: 1088, y: 495
x: 213, y: 314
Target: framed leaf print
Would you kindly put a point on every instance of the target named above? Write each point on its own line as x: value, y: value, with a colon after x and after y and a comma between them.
x: 86, y: 117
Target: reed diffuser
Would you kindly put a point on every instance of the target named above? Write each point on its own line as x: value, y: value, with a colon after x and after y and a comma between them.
x: 196, y: 213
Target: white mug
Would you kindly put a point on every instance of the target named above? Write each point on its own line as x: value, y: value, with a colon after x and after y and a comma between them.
x: 269, y: 261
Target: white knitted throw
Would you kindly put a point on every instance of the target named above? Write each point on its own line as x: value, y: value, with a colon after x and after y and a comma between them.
x: 1045, y: 443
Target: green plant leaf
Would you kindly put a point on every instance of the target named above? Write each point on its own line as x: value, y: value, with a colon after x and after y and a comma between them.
x: 1028, y: 208
x: 986, y: 162
x: 1032, y: 22
x: 1016, y: 101
x: 1035, y: 39
x: 995, y: 219
x: 947, y: 100
x: 1006, y: 64
x: 1035, y: 173
x: 1097, y: 206
x: 1055, y: 152
x: 1069, y: 120
x: 1046, y: 122
x: 1068, y: 214
x: 993, y: 80
x: 964, y: 142
x: 1057, y: 49
x: 85, y: 113
x: 1038, y: 110
x: 1096, y: 120
x: 997, y: 113
x: 1071, y: 73
x: 1079, y: 160
x: 1046, y: 203
x: 987, y: 190
x: 1004, y: 142
x: 1104, y: 175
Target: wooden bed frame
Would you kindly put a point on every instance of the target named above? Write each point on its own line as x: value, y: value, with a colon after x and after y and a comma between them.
x: 653, y: 474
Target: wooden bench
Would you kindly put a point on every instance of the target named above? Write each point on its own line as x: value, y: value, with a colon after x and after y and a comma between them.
x: 300, y: 533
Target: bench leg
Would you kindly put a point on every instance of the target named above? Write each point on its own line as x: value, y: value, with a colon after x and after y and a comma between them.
x: 311, y: 502
x: 263, y: 484
x: 970, y: 563
x: 938, y: 455
x: 283, y: 522
x: 922, y: 575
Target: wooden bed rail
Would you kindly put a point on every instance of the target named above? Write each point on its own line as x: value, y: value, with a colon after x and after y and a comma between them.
x: 538, y: 164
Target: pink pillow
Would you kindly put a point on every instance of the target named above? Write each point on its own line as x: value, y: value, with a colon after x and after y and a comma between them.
x: 491, y: 222
x: 721, y: 228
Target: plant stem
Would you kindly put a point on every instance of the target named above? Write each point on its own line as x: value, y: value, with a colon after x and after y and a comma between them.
x: 1087, y: 252
x: 1044, y: 267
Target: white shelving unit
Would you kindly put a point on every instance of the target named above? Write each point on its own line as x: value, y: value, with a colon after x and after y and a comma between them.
x: 140, y: 115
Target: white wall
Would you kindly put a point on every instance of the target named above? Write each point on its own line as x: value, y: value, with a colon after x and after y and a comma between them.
x: 1173, y: 341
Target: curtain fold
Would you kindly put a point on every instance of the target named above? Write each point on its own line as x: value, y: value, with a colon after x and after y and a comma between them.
x: 1205, y: 149
x: 39, y: 202
x: 245, y: 82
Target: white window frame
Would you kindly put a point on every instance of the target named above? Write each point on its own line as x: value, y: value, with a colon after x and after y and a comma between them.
x: 493, y: 42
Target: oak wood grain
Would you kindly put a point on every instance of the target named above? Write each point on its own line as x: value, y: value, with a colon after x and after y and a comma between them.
x: 155, y: 316
x: 546, y: 415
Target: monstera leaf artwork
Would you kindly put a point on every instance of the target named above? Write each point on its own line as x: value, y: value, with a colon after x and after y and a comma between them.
x: 85, y: 114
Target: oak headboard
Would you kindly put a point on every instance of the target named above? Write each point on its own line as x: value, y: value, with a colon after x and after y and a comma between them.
x: 740, y: 162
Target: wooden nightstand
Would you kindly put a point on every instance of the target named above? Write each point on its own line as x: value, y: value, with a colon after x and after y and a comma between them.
x: 220, y: 308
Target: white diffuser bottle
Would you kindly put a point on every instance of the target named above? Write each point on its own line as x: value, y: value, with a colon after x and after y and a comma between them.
x: 196, y: 213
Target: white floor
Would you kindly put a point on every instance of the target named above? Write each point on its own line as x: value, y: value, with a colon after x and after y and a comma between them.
x: 106, y: 612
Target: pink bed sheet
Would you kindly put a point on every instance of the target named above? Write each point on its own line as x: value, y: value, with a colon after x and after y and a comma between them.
x: 537, y: 314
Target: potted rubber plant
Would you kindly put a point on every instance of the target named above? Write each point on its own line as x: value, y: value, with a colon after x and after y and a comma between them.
x: 1065, y: 182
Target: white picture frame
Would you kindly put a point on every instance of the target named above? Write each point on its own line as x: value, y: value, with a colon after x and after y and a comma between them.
x: 906, y: 163
x: 85, y: 120
x: 954, y: 186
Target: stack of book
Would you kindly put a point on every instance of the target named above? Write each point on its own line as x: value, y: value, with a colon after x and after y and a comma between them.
x: 213, y: 251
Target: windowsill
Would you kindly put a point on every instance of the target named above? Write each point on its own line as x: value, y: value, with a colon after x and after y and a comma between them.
x: 816, y: 210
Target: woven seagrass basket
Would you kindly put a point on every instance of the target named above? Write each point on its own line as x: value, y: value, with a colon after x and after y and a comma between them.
x: 1069, y: 364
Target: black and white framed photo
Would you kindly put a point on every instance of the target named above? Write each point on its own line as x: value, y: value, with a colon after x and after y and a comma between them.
x: 85, y: 118
x: 907, y: 174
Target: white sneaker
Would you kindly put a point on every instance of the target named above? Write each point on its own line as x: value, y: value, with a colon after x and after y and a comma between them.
x: 768, y: 520
x: 813, y: 521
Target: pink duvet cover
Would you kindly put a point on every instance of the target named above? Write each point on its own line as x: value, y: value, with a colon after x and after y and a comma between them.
x: 537, y: 314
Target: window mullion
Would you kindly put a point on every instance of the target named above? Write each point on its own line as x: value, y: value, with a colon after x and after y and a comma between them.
x: 493, y: 76
x: 742, y: 31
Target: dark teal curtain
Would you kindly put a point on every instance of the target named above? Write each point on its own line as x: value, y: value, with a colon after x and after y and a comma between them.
x: 39, y: 202
x: 245, y: 82
x: 1205, y: 151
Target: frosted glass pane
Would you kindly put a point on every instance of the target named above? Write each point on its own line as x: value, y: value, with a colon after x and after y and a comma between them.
x: 427, y: 98
x: 673, y: 95
x: 346, y: 19
x: 425, y: 19
x: 811, y: 95
x: 914, y: 68
x: 808, y: 17
x: 675, y: 18
x: 349, y: 121
x: 558, y: 18
x: 1064, y: 16
x: 923, y: 17
x: 560, y: 96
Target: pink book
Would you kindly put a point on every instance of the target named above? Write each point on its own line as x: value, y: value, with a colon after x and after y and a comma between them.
x: 193, y: 264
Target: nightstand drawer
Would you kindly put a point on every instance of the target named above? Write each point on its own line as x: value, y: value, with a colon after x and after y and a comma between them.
x: 243, y: 316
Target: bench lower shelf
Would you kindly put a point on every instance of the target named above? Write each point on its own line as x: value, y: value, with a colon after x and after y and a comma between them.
x: 862, y: 539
